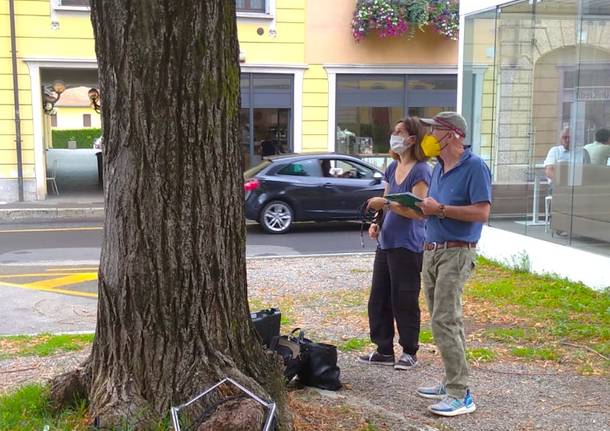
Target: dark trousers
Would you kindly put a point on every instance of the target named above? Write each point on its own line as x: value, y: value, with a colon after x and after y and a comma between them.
x: 395, y: 297
x: 100, y: 170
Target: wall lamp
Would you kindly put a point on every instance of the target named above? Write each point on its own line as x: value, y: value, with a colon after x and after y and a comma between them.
x: 94, y: 99
x: 50, y: 96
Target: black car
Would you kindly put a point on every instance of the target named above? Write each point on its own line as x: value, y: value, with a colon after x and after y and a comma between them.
x: 328, y: 186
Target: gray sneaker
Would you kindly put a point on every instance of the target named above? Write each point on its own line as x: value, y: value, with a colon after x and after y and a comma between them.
x: 437, y: 392
x: 450, y: 406
x: 376, y: 358
x: 406, y: 362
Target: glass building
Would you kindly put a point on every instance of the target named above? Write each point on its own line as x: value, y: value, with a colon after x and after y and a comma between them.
x: 535, y: 88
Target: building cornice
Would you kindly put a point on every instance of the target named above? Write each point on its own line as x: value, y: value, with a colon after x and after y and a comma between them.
x: 383, y: 69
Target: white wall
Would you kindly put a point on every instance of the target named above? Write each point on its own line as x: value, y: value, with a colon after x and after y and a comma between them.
x: 545, y: 257
x: 72, y: 118
x: 471, y: 6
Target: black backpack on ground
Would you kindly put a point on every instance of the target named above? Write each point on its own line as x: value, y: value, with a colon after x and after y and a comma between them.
x: 267, y: 324
x: 315, y: 364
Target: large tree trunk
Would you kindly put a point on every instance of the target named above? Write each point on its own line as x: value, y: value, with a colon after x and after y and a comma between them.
x: 173, y: 316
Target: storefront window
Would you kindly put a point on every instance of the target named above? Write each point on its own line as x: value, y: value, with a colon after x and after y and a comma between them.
x: 265, y: 116
x: 368, y: 107
x: 537, y: 88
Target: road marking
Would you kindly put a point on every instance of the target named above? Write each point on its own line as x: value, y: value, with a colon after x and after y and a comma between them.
x: 43, y: 289
x: 58, y: 229
x: 44, y: 274
x: 93, y: 268
x: 64, y: 281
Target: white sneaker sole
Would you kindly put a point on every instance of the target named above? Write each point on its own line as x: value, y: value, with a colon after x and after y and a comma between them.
x: 383, y: 364
x: 404, y: 367
x: 460, y: 411
x: 431, y: 396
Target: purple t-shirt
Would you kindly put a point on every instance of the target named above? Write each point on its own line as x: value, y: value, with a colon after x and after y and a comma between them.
x: 396, y: 230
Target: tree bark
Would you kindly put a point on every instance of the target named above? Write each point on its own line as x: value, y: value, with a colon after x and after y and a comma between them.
x: 173, y: 316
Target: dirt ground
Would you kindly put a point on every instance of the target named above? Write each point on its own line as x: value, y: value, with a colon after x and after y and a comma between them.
x: 325, y: 296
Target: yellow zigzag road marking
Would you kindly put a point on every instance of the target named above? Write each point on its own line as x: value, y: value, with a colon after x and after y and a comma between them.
x: 64, y: 281
x: 43, y: 274
x: 46, y: 289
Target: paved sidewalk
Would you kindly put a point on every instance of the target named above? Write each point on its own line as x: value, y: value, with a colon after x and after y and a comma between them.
x: 72, y: 206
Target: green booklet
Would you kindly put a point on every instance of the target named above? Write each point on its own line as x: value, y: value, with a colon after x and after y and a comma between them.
x: 407, y: 199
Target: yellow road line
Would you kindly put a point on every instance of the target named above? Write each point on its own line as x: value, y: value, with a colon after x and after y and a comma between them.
x: 72, y: 269
x: 64, y: 281
x: 59, y: 229
x: 43, y: 274
x: 43, y: 289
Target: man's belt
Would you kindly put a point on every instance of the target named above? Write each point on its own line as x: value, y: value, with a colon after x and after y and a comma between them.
x: 449, y: 244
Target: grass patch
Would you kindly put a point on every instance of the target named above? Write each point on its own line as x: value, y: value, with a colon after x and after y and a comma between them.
x: 425, y: 336
x: 544, y: 354
x: 29, y: 409
x: 508, y: 334
x: 354, y: 345
x: 285, y: 320
x: 545, y: 308
x: 480, y: 355
x: 359, y: 270
x: 42, y: 345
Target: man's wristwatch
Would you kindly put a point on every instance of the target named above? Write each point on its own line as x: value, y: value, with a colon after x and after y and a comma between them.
x: 441, y: 212
x: 387, y: 204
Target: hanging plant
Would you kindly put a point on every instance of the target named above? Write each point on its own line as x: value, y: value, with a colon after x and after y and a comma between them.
x: 377, y: 14
x: 445, y: 18
x: 417, y: 11
x: 397, y: 17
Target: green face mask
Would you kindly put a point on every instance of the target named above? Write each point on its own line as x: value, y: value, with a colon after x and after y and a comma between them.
x: 431, y: 146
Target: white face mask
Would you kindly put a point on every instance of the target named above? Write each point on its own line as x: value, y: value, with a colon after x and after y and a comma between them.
x: 398, y: 144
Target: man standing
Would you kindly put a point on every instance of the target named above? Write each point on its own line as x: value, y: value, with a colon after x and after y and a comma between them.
x: 457, y: 205
x: 599, y: 151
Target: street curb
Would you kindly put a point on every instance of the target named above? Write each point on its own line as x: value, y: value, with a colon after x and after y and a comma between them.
x: 312, y: 255
x: 24, y: 215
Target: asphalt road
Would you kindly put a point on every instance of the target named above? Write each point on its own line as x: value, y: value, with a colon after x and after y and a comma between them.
x: 48, y: 272
x: 79, y: 243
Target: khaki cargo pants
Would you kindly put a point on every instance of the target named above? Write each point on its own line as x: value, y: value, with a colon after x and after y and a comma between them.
x: 444, y: 274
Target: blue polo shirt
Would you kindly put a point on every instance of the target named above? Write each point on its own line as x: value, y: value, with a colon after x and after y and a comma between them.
x: 469, y: 182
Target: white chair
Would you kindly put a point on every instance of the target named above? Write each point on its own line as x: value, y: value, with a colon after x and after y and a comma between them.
x: 51, y: 176
x: 547, y: 211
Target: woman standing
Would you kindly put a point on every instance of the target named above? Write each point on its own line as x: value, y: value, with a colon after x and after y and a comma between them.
x: 398, y: 259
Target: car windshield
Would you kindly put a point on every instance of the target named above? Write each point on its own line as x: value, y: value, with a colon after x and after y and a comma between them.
x: 256, y: 169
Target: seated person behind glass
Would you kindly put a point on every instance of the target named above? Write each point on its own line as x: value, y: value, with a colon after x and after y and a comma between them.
x: 599, y: 151
x: 269, y: 146
x: 560, y: 154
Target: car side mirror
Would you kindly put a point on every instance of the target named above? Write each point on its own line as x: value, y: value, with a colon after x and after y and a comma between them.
x: 377, y: 177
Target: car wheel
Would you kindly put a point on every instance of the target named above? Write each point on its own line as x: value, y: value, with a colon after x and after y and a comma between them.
x: 276, y: 217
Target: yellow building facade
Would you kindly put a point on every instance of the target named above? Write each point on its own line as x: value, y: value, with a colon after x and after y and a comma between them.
x: 306, y: 84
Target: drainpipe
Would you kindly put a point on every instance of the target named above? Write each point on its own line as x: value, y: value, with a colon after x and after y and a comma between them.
x: 16, y: 100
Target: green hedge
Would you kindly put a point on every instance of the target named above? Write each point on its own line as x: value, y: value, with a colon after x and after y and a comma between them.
x: 84, y: 137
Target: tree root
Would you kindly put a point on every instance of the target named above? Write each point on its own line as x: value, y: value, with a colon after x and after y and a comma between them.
x: 69, y: 387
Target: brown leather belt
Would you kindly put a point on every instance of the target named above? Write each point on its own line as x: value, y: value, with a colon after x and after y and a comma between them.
x: 449, y: 244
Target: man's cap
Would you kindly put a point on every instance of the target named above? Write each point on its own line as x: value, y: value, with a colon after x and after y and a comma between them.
x: 448, y: 120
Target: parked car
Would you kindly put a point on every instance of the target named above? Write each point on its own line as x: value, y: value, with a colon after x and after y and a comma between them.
x: 304, y: 187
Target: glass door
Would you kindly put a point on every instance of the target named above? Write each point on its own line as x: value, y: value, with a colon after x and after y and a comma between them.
x: 516, y: 174
x: 266, y: 116
x: 271, y: 132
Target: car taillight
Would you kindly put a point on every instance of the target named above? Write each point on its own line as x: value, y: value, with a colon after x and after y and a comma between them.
x: 251, y: 184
